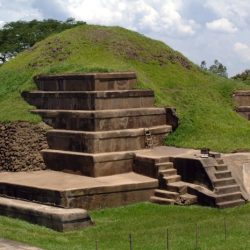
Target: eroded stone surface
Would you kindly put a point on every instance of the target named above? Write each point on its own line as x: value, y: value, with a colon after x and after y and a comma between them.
x: 20, y: 146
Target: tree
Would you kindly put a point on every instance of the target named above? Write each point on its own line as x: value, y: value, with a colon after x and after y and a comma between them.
x: 18, y: 36
x: 203, y: 65
x: 244, y: 76
x: 216, y: 68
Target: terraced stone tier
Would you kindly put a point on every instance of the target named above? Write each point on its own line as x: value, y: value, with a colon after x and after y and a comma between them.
x: 56, y: 218
x: 86, y: 82
x: 90, y: 100
x: 105, y: 141
x: 89, y: 164
x: 104, y: 120
x: 242, y: 98
x: 244, y: 111
x: 74, y: 191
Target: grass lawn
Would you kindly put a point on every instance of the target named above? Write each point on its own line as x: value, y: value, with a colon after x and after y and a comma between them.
x: 148, y: 224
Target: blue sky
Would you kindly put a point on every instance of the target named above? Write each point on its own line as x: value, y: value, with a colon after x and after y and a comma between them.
x: 200, y: 29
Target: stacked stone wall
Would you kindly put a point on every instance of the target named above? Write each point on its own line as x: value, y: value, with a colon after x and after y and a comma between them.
x: 20, y: 146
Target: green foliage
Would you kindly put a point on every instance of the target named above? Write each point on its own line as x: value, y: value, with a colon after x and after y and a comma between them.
x: 203, y: 100
x: 20, y: 35
x: 244, y: 76
x: 216, y: 68
x: 148, y: 224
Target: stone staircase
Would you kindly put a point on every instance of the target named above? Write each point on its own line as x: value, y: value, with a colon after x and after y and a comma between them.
x: 99, y: 120
x: 228, y: 193
x: 171, y: 192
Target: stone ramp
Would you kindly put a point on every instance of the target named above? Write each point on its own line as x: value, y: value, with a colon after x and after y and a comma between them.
x: 71, y: 191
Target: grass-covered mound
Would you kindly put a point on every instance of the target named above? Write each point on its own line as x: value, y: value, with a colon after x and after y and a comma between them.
x: 203, y: 101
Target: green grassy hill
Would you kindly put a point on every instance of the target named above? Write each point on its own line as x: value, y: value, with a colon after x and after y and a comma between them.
x: 203, y: 101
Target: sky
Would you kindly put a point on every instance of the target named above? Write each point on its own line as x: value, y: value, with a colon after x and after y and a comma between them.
x: 199, y: 29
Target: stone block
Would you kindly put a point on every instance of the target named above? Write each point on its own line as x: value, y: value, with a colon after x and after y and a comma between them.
x: 59, y: 219
x: 105, y: 141
x: 92, y: 100
x: 242, y: 98
x: 89, y: 164
x: 86, y: 82
x: 104, y: 120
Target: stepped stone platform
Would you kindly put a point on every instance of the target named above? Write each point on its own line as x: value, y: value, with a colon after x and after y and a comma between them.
x: 104, y: 120
x: 108, y: 141
x: 64, y: 190
x: 99, y: 120
x: 105, y: 151
x: 53, y: 217
x: 86, y: 82
x: 242, y: 101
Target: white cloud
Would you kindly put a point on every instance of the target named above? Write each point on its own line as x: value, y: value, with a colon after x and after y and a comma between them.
x: 178, y: 23
x: 243, y: 50
x: 1, y: 24
x: 221, y: 25
x: 231, y: 9
x: 146, y: 15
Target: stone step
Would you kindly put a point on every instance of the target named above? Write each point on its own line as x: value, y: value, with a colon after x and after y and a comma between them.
x: 224, y: 182
x: 227, y: 189
x: 244, y: 111
x: 178, y: 187
x: 166, y: 194
x: 164, y: 165
x: 105, y: 141
x: 89, y: 164
x: 147, y: 165
x: 90, y: 100
x: 104, y: 120
x: 223, y: 174
x: 221, y: 167
x: 162, y: 201
x: 168, y: 172
x: 59, y: 219
x: 219, y: 161
x: 228, y: 197
x: 86, y: 82
x: 170, y: 179
x: 187, y: 199
x: 242, y: 98
x: 228, y: 204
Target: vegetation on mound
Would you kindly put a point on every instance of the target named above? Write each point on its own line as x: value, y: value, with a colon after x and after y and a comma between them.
x: 244, y: 76
x: 148, y: 224
x: 203, y: 101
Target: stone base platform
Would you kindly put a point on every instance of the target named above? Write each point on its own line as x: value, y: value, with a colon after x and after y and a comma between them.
x: 73, y: 191
x: 59, y: 219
